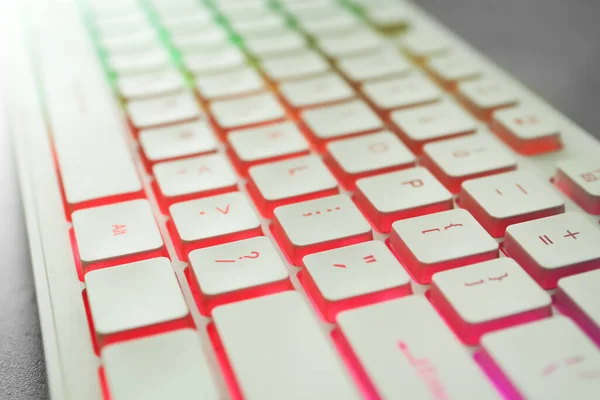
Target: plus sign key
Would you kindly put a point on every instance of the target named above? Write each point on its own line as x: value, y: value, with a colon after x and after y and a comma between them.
x: 554, y: 247
x: 501, y: 200
x: 441, y: 241
x: 318, y: 225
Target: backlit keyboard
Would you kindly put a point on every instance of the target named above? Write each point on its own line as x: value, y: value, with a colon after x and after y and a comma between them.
x: 304, y: 199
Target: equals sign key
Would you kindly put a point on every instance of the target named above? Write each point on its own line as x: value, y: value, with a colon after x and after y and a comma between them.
x: 370, y: 259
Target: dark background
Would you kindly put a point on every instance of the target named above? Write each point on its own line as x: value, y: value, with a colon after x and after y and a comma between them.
x: 553, y: 46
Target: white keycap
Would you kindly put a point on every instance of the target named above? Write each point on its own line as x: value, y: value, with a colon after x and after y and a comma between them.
x: 423, y: 124
x: 555, y: 246
x: 245, y: 10
x: 374, y: 66
x: 509, y: 198
x: 248, y: 110
x: 320, y: 221
x: 134, y: 295
x: 492, y: 291
x: 253, y: 262
x: 285, y: 42
x: 402, y: 194
x: 408, y: 352
x: 339, y: 24
x: 579, y: 295
x: 389, y: 17
x: 322, y: 89
x: 313, y: 9
x: 135, y: 369
x: 207, y: 40
x: 308, y: 369
x: 128, y: 25
x: 213, y: 217
x: 194, y: 175
x: 341, y: 119
x: 548, y: 359
x: 367, y: 153
x: 357, y: 270
x: 291, y: 178
x: 267, y: 142
x: 188, y: 22
x: 487, y: 94
x: 359, y: 42
x: 234, y: 83
x: 445, y: 240
x: 470, y: 156
x: 303, y: 64
x: 580, y: 179
x: 177, y: 141
x: 525, y: 126
x: 88, y: 131
x: 163, y: 110
x: 151, y: 84
x: 454, y: 67
x: 139, y: 42
x: 115, y: 230
x: 266, y: 25
x: 401, y: 92
x: 422, y: 44
x: 150, y: 60
x: 215, y: 61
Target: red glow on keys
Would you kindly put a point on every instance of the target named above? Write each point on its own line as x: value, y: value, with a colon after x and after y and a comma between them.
x: 148, y: 164
x: 104, y: 384
x: 165, y: 202
x: 470, y: 334
x: 568, y: 307
x: 207, y: 303
x: 583, y: 199
x: 546, y: 278
x: 183, y: 248
x: 99, y: 341
x: 230, y: 381
x: 242, y: 166
x: 422, y: 273
x: 383, y: 221
x: 497, y: 227
x: 353, y: 365
x: 266, y: 207
x: 330, y: 309
x: 295, y: 254
x: 494, y: 373
x: 83, y: 268
x: 453, y: 184
x: 527, y: 147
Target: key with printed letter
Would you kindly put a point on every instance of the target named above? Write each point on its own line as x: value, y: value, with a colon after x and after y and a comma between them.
x: 289, y: 181
x: 485, y: 95
x: 305, y: 364
x: 488, y: 296
x: 399, y: 195
x: 254, y: 262
x: 441, y: 241
x: 580, y: 180
x: 353, y: 276
x: 547, y: 359
x: 117, y: 233
x: 318, y: 225
x: 404, y: 350
x: 501, y: 200
x: 553, y: 247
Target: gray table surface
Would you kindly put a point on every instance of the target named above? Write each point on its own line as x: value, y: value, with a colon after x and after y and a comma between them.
x: 553, y: 46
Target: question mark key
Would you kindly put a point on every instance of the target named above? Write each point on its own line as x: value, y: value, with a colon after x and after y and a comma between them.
x: 258, y: 268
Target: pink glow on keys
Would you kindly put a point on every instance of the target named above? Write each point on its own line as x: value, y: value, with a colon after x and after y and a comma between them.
x: 580, y: 180
x: 576, y: 297
x: 299, y: 228
x: 289, y: 181
x: 353, y: 276
x: 488, y: 296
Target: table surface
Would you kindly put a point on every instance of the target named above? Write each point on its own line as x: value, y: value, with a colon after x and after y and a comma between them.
x: 550, y: 45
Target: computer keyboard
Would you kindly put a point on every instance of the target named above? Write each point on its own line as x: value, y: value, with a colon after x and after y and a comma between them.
x: 300, y: 199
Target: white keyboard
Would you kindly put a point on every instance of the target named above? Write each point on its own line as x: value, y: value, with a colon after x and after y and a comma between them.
x: 301, y: 199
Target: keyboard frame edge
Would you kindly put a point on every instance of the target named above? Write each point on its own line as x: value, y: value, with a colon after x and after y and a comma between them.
x: 72, y: 374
